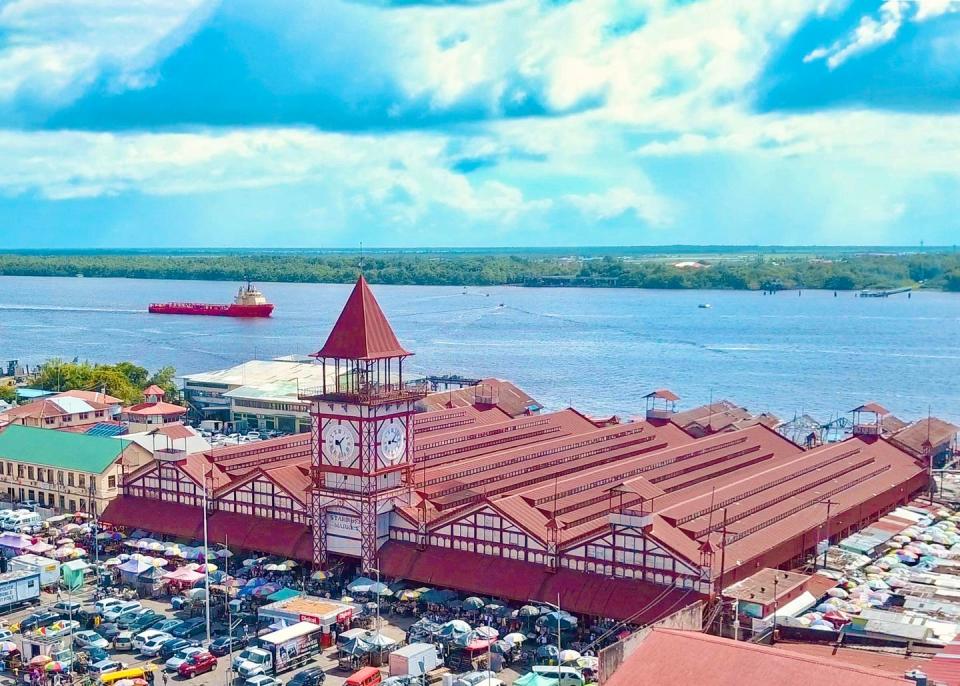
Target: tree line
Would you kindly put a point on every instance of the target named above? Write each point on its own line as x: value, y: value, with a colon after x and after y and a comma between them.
x: 845, y: 272
x: 123, y: 380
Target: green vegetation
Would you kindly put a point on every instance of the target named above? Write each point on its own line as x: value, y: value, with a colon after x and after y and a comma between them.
x: 123, y: 380
x: 8, y: 393
x: 836, y: 269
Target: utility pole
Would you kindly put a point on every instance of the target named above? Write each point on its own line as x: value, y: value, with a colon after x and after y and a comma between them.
x: 829, y: 503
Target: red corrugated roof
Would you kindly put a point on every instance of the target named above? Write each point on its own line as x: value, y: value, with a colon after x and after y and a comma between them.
x: 154, y: 390
x: 876, y: 408
x: 663, y: 394
x: 682, y: 658
x: 944, y: 668
x: 581, y: 593
x: 157, y: 516
x: 362, y: 331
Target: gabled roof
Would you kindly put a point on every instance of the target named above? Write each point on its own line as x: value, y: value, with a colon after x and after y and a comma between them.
x: 59, y: 449
x: 154, y: 390
x: 876, y: 408
x: 60, y: 406
x: 362, y: 331
x: 934, y: 430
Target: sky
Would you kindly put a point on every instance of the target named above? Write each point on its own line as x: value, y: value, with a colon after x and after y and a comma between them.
x: 401, y: 123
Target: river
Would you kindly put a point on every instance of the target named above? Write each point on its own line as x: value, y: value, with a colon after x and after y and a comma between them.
x: 599, y: 350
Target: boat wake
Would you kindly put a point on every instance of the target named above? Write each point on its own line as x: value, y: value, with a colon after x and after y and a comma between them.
x: 54, y: 308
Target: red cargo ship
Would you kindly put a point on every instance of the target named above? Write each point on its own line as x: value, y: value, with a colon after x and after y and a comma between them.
x: 248, y: 303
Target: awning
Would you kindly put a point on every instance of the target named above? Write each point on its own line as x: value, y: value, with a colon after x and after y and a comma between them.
x: 239, y: 531
x: 283, y: 594
x: 156, y: 516
x: 580, y: 592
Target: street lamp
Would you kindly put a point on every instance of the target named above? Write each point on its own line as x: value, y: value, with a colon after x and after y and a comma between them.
x: 557, y: 608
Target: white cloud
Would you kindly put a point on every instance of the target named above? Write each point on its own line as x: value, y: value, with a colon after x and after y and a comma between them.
x: 620, y: 201
x: 54, y: 49
x: 874, y: 31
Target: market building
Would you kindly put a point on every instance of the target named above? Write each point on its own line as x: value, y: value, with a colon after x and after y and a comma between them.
x: 627, y: 520
x: 64, y: 470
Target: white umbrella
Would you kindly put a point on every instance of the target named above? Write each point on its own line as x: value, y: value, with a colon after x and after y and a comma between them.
x: 514, y: 638
x: 569, y: 655
x: 223, y: 553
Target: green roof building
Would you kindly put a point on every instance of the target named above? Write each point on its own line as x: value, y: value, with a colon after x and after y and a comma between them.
x: 66, y: 471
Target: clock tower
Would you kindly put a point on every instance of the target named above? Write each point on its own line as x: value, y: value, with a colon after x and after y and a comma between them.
x: 362, y: 433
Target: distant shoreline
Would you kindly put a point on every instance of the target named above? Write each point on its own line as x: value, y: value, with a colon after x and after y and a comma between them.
x: 740, y: 268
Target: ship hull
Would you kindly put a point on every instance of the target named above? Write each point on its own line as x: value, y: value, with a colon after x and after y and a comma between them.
x: 204, y: 309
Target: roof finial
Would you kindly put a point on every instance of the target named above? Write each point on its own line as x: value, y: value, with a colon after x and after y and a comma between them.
x: 360, y: 264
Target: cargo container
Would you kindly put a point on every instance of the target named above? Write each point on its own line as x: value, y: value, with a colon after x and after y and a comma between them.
x: 18, y: 588
x: 48, y: 569
x: 415, y: 659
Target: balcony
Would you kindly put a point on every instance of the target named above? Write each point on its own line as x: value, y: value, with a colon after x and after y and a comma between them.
x: 866, y: 429
x: 170, y: 455
x: 368, y: 394
x: 634, y: 519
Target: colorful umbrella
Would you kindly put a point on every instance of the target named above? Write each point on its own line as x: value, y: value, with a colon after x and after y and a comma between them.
x: 473, y: 603
x: 319, y: 575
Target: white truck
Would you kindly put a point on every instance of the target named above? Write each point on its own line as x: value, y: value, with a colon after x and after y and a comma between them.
x: 415, y: 659
x: 280, y: 650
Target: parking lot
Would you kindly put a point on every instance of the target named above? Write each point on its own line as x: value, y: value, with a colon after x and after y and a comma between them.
x: 394, y: 627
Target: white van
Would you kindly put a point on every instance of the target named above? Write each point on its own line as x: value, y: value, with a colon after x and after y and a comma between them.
x: 23, y: 521
x: 7, y: 517
x: 564, y: 676
x: 105, y: 604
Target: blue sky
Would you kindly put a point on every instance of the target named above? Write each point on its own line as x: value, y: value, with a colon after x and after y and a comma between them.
x: 478, y: 122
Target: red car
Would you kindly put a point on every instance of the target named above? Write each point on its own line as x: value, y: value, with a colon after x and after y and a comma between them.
x: 198, y: 664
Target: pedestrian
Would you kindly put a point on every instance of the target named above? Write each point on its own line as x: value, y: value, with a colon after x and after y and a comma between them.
x: 163, y: 676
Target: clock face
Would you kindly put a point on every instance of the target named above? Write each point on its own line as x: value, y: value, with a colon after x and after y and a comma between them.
x: 393, y: 441
x: 339, y: 442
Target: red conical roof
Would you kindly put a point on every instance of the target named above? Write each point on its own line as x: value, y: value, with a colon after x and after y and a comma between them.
x: 362, y: 331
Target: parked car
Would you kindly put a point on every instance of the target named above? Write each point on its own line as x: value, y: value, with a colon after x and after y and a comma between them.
x: 114, y: 613
x: 125, y: 620
x: 38, y: 620
x: 313, y: 676
x: 68, y: 609
x: 108, y: 630
x: 261, y: 680
x: 152, y: 646
x: 29, y: 505
x: 191, y: 627
x: 140, y: 639
x: 147, y: 620
x: 98, y: 669
x: 105, y: 604
x: 90, y: 639
x: 227, y: 644
x: 123, y: 641
x: 96, y: 655
x: 6, y: 635
x: 181, y: 656
x: 169, y: 648
x: 198, y: 663
x: 167, y: 625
